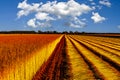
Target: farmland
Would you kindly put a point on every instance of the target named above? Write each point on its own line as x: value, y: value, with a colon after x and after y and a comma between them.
x: 59, y: 57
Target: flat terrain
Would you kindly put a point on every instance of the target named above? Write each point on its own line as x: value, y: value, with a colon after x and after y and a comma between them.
x: 59, y: 57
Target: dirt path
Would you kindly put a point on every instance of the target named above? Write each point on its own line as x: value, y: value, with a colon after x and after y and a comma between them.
x: 56, y: 67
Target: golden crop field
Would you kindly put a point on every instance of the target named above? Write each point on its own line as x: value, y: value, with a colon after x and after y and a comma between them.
x: 101, y: 54
x: 22, y: 55
x: 59, y: 57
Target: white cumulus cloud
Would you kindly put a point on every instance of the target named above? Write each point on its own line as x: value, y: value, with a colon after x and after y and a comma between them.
x: 52, y: 11
x: 105, y: 2
x: 75, y: 22
x: 97, y: 18
x: 43, y: 16
x: 31, y: 23
x: 26, y: 9
x: 69, y: 13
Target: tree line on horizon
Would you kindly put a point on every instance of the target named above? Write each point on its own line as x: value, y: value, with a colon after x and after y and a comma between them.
x: 50, y: 32
x: 39, y: 32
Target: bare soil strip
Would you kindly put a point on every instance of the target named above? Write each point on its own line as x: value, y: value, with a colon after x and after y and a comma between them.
x: 56, y: 67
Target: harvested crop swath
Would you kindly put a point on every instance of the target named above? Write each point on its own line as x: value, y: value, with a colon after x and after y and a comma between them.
x: 103, y: 39
x: 108, y: 40
x: 101, y: 68
x: 79, y: 68
x: 101, y: 45
x: 111, y: 57
x: 104, y: 45
x: 22, y: 55
x: 106, y: 35
x: 100, y: 49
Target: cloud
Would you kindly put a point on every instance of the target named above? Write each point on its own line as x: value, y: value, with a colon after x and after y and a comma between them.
x: 97, y: 18
x: 84, y: 19
x: 31, y: 23
x: 90, y: 0
x: 45, y: 13
x: 105, y: 2
x: 26, y: 9
x: 43, y: 16
x: 61, y: 9
x: 118, y: 26
x: 76, y: 23
x: 93, y: 3
x: 68, y: 13
x: 34, y: 23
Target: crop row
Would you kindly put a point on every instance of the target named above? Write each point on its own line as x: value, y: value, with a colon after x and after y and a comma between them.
x: 104, y: 64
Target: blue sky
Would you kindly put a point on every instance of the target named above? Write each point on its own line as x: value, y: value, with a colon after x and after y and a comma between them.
x: 93, y: 16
